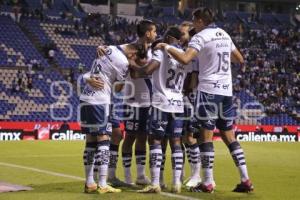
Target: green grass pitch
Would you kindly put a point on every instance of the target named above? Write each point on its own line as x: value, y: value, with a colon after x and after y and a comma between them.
x: 274, y: 169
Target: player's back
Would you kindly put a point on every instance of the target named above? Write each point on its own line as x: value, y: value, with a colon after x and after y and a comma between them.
x: 168, y: 83
x: 215, y: 47
x: 110, y: 68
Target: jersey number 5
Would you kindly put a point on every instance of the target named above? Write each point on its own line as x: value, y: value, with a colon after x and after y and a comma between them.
x: 223, y: 61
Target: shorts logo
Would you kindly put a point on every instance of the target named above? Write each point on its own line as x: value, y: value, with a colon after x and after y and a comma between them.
x: 109, y: 127
x: 130, y: 126
x: 178, y: 130
x: 229, y: 123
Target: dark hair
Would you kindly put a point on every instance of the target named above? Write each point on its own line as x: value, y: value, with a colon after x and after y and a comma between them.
x: 174, y: 32
x: 192, y: 32
x: 205, y: 14
x: 153, y: 45
x: 141, y: 50
x: 144, y: 26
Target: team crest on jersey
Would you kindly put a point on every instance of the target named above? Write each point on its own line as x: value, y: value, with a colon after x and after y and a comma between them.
x: 219, y: 34
x: 108, y: 51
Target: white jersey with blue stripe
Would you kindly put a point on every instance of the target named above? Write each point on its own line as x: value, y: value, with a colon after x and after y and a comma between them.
x: 214, y: 48
x: 137, y: 92
x: 110, y: 68
x: 168, y: 83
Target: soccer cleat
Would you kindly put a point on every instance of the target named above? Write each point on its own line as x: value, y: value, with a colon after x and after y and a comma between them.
x: 244, y: 187
x: 90, y: 188
x: 115, y: 182
x: 150, y: 189
x: 143, y: 180
x: 192, y: 182
x: 176, y: 188
x: 107, y: 189
x: 203, y: 188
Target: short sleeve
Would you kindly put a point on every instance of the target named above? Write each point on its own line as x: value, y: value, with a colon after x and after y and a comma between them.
x: 197, y: 42
x: 158, y: 55
x: 86, y: 76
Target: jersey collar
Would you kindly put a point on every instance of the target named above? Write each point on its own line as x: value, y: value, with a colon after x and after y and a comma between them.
x: 212, y: 25
x: 122, y: 50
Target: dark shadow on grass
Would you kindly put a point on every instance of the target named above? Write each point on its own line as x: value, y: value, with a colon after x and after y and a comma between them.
x: 70, y: 187
x: 221, y: 195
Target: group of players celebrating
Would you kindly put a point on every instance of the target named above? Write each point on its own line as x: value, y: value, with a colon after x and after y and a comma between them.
x: 176, y: 89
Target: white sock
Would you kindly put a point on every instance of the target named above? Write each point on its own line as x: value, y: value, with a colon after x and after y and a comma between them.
x: 155, y: 163
x: 140, y: 163
x: 177, y: 164
x: 113, y: 160
x: 102, y: 158
x: 89, y: 159
x: 126, y: 166
x: 195, y: 161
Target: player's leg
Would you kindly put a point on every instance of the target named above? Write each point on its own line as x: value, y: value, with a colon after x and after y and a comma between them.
x: 89, y: 161
x: 114, y: 155
x: 95, y: 122
x: 224, y: 124
x: 206, y: 114
x: 102, y: 160
x: 89, y: 150
x: 164, y: 146
x: 130, y: 128
x: 140, y: 146
x: 157, y: 132
x: 193, y: 154
x: 175, y: 129
x: 116, y: 138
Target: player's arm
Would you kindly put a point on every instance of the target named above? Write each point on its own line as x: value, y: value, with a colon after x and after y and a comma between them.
x: 93, y: 81
x: 146, y: 70
x: 236, y: 57
x: 191, y: 81
x: 183, y: 57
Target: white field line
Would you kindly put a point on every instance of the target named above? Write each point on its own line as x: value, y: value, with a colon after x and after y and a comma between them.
x: 42, y: 156
x: 82, y: 179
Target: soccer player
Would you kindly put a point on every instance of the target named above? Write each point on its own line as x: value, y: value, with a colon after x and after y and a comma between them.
x: 190, y: 142
x: 94, y: 110
x: 167, y: 111
x: 138, y: 106
x: 214, y: 51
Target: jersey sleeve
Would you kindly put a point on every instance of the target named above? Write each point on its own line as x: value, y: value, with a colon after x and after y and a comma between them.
x: 158, y: 55
x: 197, y: 42
x: 86, y: 76
x: 122, y: 73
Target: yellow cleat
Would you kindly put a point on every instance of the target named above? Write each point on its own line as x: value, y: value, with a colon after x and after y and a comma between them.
x: 150, y: 189
x: 107, y: 189
x: 90, y: 188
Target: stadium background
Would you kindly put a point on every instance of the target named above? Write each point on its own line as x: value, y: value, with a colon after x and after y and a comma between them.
x: 45, y: 45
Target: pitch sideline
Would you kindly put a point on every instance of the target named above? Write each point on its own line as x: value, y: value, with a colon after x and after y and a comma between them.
x: 82, y: 179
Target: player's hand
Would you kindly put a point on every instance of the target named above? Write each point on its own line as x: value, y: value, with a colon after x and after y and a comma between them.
x: 160, y: 46
x: 101, y: 51
x: 95, y: 83
x: 132, y: 64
